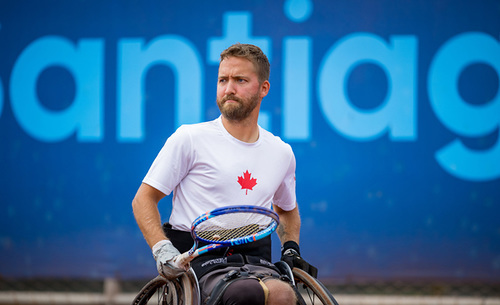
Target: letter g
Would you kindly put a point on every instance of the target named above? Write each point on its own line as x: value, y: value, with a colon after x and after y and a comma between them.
x: 461, y: 117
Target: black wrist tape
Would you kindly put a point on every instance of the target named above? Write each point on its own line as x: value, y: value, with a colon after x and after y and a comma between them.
x: 290, y: 245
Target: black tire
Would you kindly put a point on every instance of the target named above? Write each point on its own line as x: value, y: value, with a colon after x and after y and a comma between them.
x: 166, y: 292
x: 311, y: 290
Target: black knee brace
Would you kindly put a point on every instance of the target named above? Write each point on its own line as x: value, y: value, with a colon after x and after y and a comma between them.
x: 242, y: 288
x: 247, y: 291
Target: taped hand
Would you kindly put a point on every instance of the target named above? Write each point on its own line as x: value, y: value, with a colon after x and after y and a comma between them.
x: 290, y: 254
x: 164, y: 252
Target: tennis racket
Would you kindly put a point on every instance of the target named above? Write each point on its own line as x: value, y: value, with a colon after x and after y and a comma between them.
x: 226, y: 227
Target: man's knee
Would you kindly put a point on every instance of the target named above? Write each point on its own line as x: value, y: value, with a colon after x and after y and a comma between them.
x: 280, y: 293
x: 244, y: 292
x: 253, y: 292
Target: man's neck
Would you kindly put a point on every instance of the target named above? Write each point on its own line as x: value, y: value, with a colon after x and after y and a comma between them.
x: 246, y: 130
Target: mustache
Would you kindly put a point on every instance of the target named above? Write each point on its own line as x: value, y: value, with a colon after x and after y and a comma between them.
x: 231, y: 97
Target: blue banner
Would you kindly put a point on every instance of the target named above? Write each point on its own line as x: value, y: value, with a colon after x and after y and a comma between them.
x: 391, y: 107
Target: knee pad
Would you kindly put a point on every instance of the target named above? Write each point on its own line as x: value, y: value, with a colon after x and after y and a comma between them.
x: 249, y: 291
x: 241, y: 287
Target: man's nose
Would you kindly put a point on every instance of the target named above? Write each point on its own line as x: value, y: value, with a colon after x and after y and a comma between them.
x: 230, y: 87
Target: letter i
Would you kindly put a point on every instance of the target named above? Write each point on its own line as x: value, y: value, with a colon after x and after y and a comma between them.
x: 297, y: 88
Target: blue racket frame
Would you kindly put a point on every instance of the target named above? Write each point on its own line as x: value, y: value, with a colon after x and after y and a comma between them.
x: 235, y: 241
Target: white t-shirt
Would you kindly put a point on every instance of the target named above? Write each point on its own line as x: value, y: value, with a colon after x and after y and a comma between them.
x: 207, y: 168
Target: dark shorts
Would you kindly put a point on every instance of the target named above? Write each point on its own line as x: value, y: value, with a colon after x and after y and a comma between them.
x: 252, y: 291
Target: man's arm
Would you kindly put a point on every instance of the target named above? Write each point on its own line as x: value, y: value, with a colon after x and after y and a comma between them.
x: 145, y: 206
x: 289, y: 228
x: 289, y: 234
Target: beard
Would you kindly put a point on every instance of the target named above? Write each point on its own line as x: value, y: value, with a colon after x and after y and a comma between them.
x: 240, y: 110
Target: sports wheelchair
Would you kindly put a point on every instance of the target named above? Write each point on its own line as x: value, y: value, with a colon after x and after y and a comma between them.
x: 186, y: 291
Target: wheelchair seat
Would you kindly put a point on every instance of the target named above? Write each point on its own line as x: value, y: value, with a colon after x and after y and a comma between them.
x: 185, y: 290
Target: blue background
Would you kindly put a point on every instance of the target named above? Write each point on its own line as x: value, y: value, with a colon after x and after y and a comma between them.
x: 377, y: 208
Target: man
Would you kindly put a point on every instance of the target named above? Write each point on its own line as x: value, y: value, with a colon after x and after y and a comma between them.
x: 228, y: 161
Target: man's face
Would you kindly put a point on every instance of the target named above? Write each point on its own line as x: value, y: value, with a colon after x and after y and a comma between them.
x: 238, y: 89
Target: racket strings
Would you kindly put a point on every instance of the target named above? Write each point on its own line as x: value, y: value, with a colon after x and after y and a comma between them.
x: 236, y: 225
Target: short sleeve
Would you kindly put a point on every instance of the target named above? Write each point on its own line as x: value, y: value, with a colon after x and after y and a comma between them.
x: 172, y: 163
x: 285, y: 196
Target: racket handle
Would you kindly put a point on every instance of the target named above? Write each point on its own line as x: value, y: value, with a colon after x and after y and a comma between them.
x: 182, y: 261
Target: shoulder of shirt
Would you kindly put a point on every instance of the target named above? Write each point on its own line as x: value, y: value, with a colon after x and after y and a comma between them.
x: 269, y: 137
x: 197, y: 128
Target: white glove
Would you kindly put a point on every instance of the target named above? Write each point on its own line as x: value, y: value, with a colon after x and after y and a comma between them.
x: 164, y: 253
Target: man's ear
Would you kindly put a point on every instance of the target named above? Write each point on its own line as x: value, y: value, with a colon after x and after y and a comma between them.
x: 264, y: 88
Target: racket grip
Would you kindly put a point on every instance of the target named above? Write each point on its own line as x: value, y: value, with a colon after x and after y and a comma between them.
x: 182, y: 261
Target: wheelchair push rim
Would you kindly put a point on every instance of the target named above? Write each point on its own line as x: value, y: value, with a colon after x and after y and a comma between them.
x: 316, y: 292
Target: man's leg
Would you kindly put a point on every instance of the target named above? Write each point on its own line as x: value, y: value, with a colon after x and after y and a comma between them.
x: 280, y: 293
x: 244, y: 292
x: 267, y: 290
x: 254, y: 292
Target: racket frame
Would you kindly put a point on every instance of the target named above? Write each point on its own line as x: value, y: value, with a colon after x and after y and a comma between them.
x: 185, y: 258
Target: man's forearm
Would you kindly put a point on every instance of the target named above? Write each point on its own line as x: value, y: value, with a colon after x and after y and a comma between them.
x: 148, y: 217
x: 289, y: 228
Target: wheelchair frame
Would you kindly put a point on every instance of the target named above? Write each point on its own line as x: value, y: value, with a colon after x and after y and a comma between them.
x: 185, y: 290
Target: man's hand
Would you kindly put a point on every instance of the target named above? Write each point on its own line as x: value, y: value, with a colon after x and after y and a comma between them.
x: 290, y: 254
x: 164, y: 253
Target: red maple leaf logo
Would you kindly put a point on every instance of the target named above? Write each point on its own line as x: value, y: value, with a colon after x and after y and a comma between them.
x: 247, y: 182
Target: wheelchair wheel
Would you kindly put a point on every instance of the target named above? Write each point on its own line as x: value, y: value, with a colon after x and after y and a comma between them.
x: 181, y: 291
x: 311, y: 290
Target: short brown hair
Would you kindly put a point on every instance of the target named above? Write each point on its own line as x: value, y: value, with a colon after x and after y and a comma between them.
x: 254, y: 54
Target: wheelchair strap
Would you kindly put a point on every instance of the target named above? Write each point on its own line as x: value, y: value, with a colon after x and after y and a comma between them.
x: 207, y: 263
